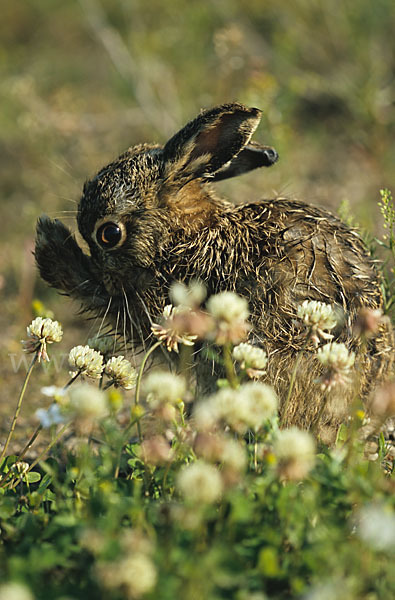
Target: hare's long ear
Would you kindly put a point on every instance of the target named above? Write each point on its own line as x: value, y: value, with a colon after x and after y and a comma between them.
x: 252, y: 156
x: 210, y: 141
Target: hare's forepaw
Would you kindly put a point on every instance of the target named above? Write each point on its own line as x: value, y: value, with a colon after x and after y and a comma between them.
x: 61, y: 261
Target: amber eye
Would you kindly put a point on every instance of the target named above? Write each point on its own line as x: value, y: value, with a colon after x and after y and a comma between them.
x: 108, y: 235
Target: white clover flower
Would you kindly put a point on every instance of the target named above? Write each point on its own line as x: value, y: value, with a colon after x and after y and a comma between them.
x: 191, y: 295
x: 206, y: 415
x: 137, y: 573
x: 172, y: 331
x: 20, y: 467
x: 295, y: 453
x: 200, y: 483
x: 162, y: 386
x: 15, y: 591
x: 376, y: 526
x: 228, y: 306
x: 53, y: 391
x: 248, y: 407
x: 226, y: 406
x: 233, y: 455
x: 52, y: 416
x: 250, y: 356
x: 319, y: 318
x: 87, y: 402
x: 260, y: 403
x: 41, y: 332
x: 121, y: 372
x: 105, y: 344
x: 86, y: 361
x: 338, y: 360
x: 230, y: 313
x: 45, y: 328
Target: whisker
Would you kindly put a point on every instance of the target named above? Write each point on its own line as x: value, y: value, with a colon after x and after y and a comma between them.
x: 124, y: 321
x: 104, y: 316
x: 63, y: 170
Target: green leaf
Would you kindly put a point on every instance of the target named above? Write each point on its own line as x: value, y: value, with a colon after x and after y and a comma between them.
x: 7, y: 507
x: 268, y: 563
x: 32, y: 477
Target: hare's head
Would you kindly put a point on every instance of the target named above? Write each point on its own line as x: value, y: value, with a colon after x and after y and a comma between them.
x: 136, y: 204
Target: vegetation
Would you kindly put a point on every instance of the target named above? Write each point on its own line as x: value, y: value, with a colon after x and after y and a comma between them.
x: 113, y: 483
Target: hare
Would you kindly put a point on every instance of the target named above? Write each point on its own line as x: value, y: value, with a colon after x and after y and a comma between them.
x: 151, y: 218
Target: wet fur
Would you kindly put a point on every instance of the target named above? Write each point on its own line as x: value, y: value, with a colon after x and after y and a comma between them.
x: 276, y: 253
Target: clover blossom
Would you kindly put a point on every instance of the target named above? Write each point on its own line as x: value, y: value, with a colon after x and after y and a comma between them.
x: 41, y: 332
x: 338, y: 360
x: 251, y: 358
x: 191, y: 295
x: 200, y: 483
x: 120, y: 372
x: 319, y: 318
x: 86, y: 361
x: 172, y: 330
x: 230, y: 312
x: 295, y: 453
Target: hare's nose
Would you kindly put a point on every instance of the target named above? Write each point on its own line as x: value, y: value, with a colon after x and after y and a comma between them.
x: 271, y: 156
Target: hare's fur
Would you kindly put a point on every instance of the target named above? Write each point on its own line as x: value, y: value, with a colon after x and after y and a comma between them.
x: 276, y: 253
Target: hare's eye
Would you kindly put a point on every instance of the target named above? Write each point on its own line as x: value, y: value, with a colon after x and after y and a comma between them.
x: 108, y: 235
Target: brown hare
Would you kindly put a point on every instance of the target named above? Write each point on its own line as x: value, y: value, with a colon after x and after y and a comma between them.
x: 151, y: 218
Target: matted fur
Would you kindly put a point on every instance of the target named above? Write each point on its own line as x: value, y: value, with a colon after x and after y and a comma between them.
x: 276, y: 253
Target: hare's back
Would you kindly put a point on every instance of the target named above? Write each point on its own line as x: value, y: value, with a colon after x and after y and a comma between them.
x: 310, y: 254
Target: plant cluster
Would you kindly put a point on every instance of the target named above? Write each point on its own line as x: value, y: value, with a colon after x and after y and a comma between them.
x: 173, y: 496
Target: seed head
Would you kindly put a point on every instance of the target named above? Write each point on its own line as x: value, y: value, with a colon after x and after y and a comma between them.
x: 121, y: 372
x: 86, y: 361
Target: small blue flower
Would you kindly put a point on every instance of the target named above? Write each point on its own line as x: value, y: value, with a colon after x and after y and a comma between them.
x: 51, y: 416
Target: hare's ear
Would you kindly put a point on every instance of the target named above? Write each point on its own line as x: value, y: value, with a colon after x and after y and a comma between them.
x: 252, y: 156
x: 210, y: 141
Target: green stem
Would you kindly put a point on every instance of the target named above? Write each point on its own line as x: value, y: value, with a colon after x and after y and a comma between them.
x: 18, y: 406
x: 229, y: 367
x: 141, y: 370
x: 68, y: 384
x: 138, y: 383
x: 41, y: 456
x: 30, y: 443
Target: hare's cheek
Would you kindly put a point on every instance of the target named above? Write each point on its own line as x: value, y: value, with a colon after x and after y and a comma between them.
x: 112, y: 284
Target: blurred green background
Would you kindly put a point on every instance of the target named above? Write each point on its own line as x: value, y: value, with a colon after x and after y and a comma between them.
x: 81, y: 80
